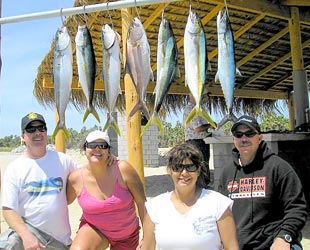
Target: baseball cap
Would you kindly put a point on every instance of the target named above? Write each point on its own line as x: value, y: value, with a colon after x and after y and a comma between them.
x: 31, y: 117
x: 97, y: 134
x: 247, y: 121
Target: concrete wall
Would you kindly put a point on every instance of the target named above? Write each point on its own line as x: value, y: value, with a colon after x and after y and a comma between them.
x: 149, y: 143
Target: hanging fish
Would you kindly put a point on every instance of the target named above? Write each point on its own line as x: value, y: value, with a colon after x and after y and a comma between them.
x: 196, y: 62
x: 111, y: 71
x: 227, y: 70
x: 86, y: 65
x: 138, y: 63
x: 167, y: 70
x: 62, y: 77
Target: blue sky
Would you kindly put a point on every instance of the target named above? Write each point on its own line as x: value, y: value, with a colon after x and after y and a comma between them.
x: 23, y: 47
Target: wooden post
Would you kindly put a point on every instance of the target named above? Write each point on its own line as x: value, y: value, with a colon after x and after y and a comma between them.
x: 299, y: 73
x: 133, y: 127
x: 60, y: 141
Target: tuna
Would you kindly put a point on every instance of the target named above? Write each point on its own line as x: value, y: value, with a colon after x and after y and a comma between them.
x: 86, y: 65
x: 62, y: 77
x: 227, y: 70
x: 196, y: 62
x: 167, y: 70
x: 138, y: 64
x: 111, y: 71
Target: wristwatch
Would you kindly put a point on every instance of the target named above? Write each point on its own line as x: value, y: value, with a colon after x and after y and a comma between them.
x: 286, y: 237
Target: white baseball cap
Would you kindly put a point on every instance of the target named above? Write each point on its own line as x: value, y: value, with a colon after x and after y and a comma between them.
x: 97, y: 134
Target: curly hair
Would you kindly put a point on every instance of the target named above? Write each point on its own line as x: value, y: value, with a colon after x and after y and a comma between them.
x: 188, y: 151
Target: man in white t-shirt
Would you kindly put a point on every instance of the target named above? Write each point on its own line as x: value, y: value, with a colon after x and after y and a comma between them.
x: 34, y: 202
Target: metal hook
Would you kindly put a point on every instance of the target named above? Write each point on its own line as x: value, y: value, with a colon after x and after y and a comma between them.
x: 85, y: 16
x: 61, y: 16
x: 190, y: 6
x: 137, y: 9
x: 110, y: 15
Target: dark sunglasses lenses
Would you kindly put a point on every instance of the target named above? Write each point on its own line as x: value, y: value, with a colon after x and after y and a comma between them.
x: 33, y: 129
x: 188, y: 167
x: 101, y: 145
x: 248, y: 134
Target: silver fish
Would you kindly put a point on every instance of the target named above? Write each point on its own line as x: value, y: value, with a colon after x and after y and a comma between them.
x: 62, y: 77
x: 138, y: 63
x: 196, y: 61
x: 111, y: 71
x: 167, y: 70
x: 227, y: 70
x: 86, y: 65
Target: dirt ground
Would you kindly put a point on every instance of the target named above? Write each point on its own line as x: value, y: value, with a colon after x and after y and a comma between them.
x: 156, y: 182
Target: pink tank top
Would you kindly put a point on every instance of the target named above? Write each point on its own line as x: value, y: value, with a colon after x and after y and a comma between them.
x: 115, y: 216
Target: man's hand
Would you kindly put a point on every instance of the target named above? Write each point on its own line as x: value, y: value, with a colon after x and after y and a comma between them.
x: 280, y: 244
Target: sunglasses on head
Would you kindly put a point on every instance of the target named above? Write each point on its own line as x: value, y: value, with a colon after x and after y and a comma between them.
x: 249, y: 134
x: 189, y: 167
x: 32, y: 129
x: 100, y: 145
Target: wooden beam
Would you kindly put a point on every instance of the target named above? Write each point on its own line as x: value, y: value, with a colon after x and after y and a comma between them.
x: 257, y: 6
x: 180, y: 89
x: 296, y: 2
x: 271, y: 66
x: 262, y: 47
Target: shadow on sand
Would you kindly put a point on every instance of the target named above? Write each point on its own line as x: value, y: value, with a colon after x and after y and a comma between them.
x: 158, y: 184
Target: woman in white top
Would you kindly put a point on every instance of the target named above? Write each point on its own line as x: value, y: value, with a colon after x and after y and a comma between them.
x: 190, y: 217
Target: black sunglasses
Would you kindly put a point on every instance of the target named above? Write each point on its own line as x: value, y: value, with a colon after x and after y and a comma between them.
x: 32, y: 129
x: 100, y: 145
x: 189, y: 168
x: 249, y: 134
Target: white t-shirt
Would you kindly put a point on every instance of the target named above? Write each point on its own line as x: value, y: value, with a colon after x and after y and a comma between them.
x: 36, y: 190
x: 195, y: 230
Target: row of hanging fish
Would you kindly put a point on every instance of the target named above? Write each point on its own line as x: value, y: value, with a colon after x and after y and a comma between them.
x: 86, y: 66
x: 139, y: 68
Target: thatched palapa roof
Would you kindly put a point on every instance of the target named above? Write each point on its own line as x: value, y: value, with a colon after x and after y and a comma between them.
x: 262, y: 51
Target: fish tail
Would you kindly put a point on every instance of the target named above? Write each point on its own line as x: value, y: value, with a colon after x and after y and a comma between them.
x: 197, y: 111
x: 155, y: 119
x: 111, y: 122
x: 64, y: 129
x: 228, y: 117
x: 92, y: 111
x: 140, y: 106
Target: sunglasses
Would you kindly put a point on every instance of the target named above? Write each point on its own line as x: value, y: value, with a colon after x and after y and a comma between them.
x: 33, y: 129
x: 100, y: 145
x: 189, y: 168
x: 248, y: 134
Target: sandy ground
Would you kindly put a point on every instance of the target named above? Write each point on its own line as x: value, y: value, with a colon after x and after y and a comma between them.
x: 156, y: 182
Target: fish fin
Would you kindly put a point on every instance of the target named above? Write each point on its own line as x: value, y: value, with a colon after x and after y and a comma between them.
x: 155, y: 119
x: 64, y: 129
x: 209, y: 66
x: 197, y: 111
x: 228, y: 117
x: 92, y: 111
x: 111, y: 122
x: 216, y: 79
x: 177, y: 71
x: 152, y: 75
x: 135, y: 109
x: 238, y: 72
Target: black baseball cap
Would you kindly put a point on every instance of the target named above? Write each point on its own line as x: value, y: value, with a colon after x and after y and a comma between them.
x: 247, y: 121
x: 31, y: 117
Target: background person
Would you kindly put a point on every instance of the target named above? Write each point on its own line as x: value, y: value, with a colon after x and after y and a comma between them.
x: 189, y: 217
x: 34, y: 191
x: 269, y: 205
x: 107, y: 190
x: 196, y: 131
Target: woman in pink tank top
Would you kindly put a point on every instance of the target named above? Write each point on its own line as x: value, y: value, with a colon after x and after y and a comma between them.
x: 107, y: 190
